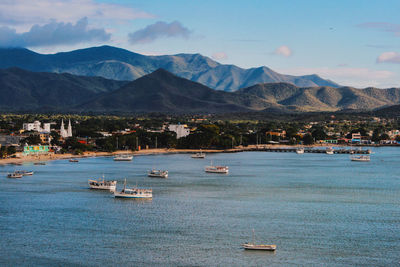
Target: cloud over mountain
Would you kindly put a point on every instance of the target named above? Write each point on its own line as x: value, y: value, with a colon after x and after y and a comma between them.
x: 158, y: 30
x: 53, y: 33
x: 389, y: 57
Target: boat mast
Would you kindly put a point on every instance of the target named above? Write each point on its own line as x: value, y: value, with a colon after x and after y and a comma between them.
x: 254, y: 237
x: 124, y: 184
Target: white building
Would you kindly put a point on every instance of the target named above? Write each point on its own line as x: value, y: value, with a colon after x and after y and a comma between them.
x: 36, y: 126
x: 65, y: 133
x: 181, y: 130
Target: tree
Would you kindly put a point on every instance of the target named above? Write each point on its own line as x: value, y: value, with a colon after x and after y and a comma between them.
x: 308, y: 139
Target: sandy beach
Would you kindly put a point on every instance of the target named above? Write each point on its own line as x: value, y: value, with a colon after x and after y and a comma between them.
x: 19, y: 159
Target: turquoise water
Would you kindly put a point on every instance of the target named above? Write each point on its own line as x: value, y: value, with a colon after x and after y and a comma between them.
x: 320, y: 210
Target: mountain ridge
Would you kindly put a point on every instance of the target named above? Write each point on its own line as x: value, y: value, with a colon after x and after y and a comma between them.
x: 120, y: 64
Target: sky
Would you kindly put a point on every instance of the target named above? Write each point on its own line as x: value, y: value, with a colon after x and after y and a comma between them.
x: 352, y: 42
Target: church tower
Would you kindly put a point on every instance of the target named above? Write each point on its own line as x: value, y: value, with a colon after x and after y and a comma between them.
x: 69, y: 131
x: 63, y: 132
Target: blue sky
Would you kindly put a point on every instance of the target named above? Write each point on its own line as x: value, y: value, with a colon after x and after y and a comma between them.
x: 354, y: 43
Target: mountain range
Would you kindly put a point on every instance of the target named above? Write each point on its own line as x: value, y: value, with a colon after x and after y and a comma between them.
x: 120, y: 64
x: 162, y: 91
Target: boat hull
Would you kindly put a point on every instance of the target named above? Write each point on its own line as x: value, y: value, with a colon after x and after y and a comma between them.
x: 259, y: 247
x: 157, y: 176
x: 119, y: 195
x: 110, y: 188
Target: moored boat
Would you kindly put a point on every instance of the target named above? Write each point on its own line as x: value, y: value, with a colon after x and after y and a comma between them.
x: 330, y: 151
x: 216, y: 169
x: 123, y: 157
x: 102, y: 184
x: 73, y: 160
x: 199, y: 155
x: 133, y: 192
x: 39, y: 163
x: 300, y: 150
x: 158, y: 173
x: 361, y: 158
x: 24, y: 173
x: 254, y: 246
x: 14, y: 175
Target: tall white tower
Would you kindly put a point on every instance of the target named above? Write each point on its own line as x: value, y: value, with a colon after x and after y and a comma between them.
x: 63, y: 132
x: 69, y: 131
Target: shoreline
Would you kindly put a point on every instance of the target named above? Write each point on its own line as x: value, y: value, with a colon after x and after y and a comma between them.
x: 152, y: 151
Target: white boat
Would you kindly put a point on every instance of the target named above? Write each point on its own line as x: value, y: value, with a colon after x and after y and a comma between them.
x: 300, y: 150
x: 330, y: 151
x: 361, y: 158
x: 14, y: 175
x: 254, y: 246
x: 216, y: 169
x: 134, y: 192
x: 24, y: 173
x: 102, y: 184
x: 158, y: 174
x: 123, y: 157
x: 199, y: 155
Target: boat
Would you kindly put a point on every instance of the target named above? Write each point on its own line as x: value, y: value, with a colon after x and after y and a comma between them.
x: 300, y: 150
x: 73, y: 160
x: 24, y: 173
x: 254, y: 246
x: 39, y: 163
x: 133, y: 192
x: 158, y: 174
x: 123, y: 157
x: 330, y: 151
x: 361, y: 158
x: 102, y: 184
x: 216, y: 169
x: 199, y: 155
x: 14, y: 175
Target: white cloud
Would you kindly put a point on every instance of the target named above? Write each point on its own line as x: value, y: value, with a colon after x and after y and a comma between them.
x: 283, y: 51
x: 357, y: 77
x: 22, y: 14
x: 389, y: 57
x: 53, y: 33
x: 157, y: 30
x: 219, y: 56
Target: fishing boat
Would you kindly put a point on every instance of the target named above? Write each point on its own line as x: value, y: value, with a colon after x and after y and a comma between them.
x: 199, y: 155
x: 216, y: 169
x: 329, y: 151
x: 102, y: 184
x: 73, y: 160
x: 361, y: 158
x: 24, y: 173
x: 133, y: 193
x: 123, y: 157
x: 158, y: 174
x: 300, y: 150
x: 14, y: 175
x: 254, y: 246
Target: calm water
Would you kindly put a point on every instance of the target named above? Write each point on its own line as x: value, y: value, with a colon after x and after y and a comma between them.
x: 320, y: 210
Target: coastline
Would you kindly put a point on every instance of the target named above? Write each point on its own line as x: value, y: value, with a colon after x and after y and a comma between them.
x: 154, y: 151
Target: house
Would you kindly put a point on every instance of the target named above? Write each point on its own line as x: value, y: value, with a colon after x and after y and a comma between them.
x: 36, y: 127
x: 181, y: 130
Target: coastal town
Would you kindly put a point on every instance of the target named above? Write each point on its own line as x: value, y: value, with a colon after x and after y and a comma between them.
x: 25, y: 136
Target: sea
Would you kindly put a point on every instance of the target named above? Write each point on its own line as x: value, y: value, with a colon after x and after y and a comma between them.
x: 319, y: 209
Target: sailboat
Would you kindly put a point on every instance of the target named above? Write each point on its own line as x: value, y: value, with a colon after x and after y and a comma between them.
x: 254, y: 246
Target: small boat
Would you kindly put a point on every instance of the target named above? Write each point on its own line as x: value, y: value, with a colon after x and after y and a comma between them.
x: 39, y: 163
x: 361, y: 158
x: 24, y: 173
x: 300, y: 150
x: 330, y: 151
x: 216, y: 169
x: 133, y: 193
x: 254, y: 246
x: 73, y: 160
x: 102, y: 184
x: 14, y: 175
x: 158, y: 174
x: 199, y: 155
x: 123, y: 157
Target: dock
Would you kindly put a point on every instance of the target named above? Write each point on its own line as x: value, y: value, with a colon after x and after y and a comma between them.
x: 306, y: 150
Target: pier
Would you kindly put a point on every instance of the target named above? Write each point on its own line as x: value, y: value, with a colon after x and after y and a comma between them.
x: 306, y: 150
